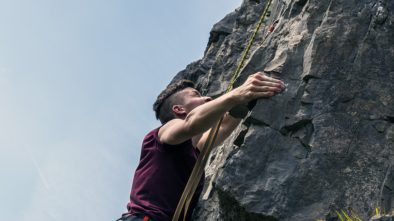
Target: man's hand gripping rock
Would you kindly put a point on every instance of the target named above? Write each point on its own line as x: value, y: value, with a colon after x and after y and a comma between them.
x: 256, y: 86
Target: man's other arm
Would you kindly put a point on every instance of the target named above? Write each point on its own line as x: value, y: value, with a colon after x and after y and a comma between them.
x: 227, y: 126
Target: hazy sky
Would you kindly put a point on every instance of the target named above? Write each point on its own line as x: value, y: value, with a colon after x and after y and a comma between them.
x: 77, y: 82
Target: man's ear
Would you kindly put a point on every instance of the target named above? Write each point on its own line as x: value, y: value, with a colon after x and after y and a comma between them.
x: 179, y: 111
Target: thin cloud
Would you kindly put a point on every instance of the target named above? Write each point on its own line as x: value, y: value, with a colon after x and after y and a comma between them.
x: 43, y: 179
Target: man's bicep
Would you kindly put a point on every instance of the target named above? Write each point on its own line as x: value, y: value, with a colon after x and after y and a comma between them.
x: 174, y: 132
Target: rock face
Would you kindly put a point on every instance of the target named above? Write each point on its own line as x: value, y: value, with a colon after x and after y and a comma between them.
x: 324, y: 144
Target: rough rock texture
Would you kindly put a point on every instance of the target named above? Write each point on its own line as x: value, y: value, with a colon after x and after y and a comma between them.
x: 324, y: 144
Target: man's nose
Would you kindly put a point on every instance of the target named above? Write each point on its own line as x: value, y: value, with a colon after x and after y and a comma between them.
x: 206, y: 99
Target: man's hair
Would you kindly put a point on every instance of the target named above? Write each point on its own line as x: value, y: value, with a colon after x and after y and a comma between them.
x: 165, y: 100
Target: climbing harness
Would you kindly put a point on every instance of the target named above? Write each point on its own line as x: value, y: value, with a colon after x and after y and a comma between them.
x: 195, y: 176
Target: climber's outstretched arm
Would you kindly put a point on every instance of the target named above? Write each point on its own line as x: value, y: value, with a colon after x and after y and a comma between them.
x: 229, y: 123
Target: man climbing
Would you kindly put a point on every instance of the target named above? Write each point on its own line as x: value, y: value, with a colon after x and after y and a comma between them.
x: 170, y: 151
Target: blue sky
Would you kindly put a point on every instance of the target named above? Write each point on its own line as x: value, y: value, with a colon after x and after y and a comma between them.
x: 77, y: 82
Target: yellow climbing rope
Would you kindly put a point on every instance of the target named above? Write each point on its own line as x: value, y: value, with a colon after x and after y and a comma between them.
x: 198, y: 169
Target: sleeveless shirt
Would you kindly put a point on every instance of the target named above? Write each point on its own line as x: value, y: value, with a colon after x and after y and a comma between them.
x: 161, y: 176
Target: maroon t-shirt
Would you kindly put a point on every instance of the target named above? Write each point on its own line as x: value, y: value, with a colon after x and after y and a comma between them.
x: 161, y: 177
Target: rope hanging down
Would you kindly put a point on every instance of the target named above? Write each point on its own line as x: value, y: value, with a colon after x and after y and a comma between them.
x: 198, y: 169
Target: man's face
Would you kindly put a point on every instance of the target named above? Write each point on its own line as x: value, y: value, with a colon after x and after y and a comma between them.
x: 190, y: 98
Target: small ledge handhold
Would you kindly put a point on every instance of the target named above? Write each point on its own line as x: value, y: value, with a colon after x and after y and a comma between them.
x: 380, y: 126
x: 381, y: 15
x: 306, y: 98
x: 389, y: 119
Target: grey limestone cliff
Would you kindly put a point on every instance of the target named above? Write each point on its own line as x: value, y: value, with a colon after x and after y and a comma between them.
x: 324, y: 144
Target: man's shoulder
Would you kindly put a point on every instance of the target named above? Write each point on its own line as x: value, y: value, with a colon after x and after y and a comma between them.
x: 153, y: 133
x: 155, y: 130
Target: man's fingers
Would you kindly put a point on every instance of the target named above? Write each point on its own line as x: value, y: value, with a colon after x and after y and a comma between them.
x: 271, y: 79
x: 259, y: 85
x: 261, y: 76
x: 267, y: 89
x: 267, y: 83
x: 263, y: 94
